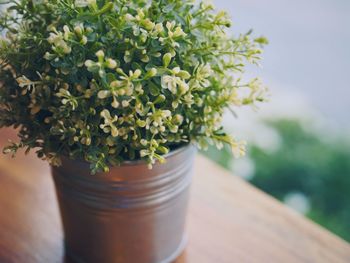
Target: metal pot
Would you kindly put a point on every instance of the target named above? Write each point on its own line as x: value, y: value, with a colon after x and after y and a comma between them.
x: 130, y: 215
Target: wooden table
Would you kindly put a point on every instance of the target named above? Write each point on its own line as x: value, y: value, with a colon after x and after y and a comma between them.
x: 229, y: 220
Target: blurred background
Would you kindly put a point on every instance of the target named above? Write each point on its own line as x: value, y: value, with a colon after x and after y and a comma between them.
x: 299, y: 143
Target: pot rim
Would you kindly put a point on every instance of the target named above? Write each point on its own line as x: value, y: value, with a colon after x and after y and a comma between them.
x: 126, y: 163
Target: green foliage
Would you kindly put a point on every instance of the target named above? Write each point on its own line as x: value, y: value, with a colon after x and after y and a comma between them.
x: 108, y: 81
x: 319, y: 170
x: 305, y: 164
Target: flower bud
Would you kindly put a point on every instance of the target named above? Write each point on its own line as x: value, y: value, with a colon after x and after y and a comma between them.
x: 161, y: 98
x: 111, y: 63
x: 79, y: 31
x: 128, y: 17
x: 151, y: 73
x: 115, y: 104
x: 137, y: 73
x: 163, y: 150
x: 103, y: 94
x: 84, y: 40
x: 167, y: 59
x: 178, y: 119
x: 184, y: 74
x: 148, y: 24
x: 100, y: 54
x: 141, y: 124
x: 89, y: 63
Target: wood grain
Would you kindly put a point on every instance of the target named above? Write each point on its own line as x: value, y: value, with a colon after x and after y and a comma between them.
x: 229, y: 220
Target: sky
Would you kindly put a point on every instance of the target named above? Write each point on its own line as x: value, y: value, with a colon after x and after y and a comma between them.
x: 307, y: 63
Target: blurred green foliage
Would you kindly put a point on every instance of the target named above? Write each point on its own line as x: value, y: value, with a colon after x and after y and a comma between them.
x: 307, y: 164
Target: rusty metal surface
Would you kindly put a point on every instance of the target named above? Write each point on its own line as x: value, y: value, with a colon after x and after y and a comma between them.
x: 130, y: 215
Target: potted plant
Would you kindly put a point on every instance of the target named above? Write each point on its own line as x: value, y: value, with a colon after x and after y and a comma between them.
x: 113, y: 94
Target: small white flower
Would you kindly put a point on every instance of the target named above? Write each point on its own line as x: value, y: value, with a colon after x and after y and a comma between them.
x: 159, y: 28
x: 51, y: 38
x: 103, y: 94
x: 179, y: 32
x: 166, y: 113
x: 204, y: 71
x: 143, y: 142
x: 170, y: 25
x: 170, y: 83
x: 109, y: 126
x: 125, y: 103
x: 238, y: 148
x: 66, y: 49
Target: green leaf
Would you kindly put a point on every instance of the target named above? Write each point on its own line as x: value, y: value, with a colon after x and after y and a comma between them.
x: 153, y: 88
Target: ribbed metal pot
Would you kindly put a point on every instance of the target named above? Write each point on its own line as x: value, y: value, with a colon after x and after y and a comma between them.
x: 130, y: 215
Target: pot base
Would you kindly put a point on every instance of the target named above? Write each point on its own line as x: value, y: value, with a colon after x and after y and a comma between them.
x: 75, y: 259
x: 178, y: 251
